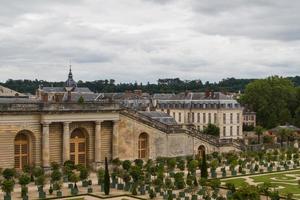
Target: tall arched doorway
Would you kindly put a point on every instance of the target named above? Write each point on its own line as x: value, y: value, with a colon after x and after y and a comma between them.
x: 78, y: 147
x: 201, y: 151
x: 143, y: 146
x: 21, y: 154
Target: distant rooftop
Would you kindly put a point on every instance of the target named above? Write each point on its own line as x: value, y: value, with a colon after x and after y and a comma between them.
x: 160, y: 116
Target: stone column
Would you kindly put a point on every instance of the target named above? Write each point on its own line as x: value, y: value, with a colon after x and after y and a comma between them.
x: 66, y: 142
x: 115, y: 141
x: 97, y: 142
x: 45, y: 146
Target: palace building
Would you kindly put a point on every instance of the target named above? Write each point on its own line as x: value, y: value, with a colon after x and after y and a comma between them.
x: 56, y: 127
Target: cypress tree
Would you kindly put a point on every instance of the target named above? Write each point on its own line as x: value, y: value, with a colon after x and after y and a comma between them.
x: 106, y: 178
x: 204, y: 173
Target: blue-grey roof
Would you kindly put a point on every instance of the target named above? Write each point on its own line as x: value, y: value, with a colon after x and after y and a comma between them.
x: 160, y: 116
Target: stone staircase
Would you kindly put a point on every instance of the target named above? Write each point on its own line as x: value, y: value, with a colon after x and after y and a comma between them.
x: 173, y: 129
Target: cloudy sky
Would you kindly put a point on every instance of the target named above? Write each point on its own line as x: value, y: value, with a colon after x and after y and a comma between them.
x: 143, y: 40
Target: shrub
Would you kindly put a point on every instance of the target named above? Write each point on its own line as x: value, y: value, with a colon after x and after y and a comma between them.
x: 84, y: 174
x: 9, y: 173
x: 38, y: 171
x: 179, y: 180
x: 126, y: 164
x: 56, y: 175
x: 24, y: 179
x: 7, y: 186
x: 139, y: 162
x: 181, y: 164
x: 100, y: 175
x: 171, y: 163
x: 54, y: 166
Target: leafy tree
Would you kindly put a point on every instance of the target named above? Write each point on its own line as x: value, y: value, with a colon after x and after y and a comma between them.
x: 9, y: 173
x: 204, y: 172
x: 126, y: 164
x: 24, y: 179
x: 7, y: 186
x: 247, y: 192
x: 100, y: 175
x: 272, y: 100
x: 283, y: 134
x: 212, y: 129
x: 259, y: 131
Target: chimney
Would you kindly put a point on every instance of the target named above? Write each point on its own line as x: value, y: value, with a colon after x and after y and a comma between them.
x: 207, y: 93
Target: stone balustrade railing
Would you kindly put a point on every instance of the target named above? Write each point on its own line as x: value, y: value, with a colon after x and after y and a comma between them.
x: 57, y: 107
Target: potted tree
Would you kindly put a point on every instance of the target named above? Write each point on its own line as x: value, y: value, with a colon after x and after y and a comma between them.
x: 100, y: 176
x: 24, y: 180
x: 40, y: 182
x: 7, y: 186
x: 83, y: 175
x: 74, y: 178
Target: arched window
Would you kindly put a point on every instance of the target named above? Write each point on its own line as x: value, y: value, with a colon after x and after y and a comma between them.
x: 78, y: 147
x: 21, y: 150
x: 201, y: 151
x: 143, y: 146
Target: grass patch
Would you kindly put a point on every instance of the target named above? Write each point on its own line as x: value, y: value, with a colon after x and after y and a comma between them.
x: 285, y: 183
x: 238, y: 182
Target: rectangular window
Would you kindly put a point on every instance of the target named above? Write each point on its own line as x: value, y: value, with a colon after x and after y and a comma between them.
x: 193, y: 117
x: 238, y: 118
x: 209, y: 118
x: 231, y: 118
x: 189, y: 118
x: 179, y: 117
x: 215, y: 118
x: 198, y: 117
x: 230, y: 130
x: 204, y: 118
x: 174, y: 115
x: 224, y: 118
x: 238, y: 130
x: 224, y: 130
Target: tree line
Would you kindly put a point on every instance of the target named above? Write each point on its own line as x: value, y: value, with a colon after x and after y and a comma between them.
x: 275, y: 100
x: 162, y: 86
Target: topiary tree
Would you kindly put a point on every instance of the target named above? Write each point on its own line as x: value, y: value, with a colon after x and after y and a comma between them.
x: 126, y: 165
x: 83, y: 174
x: 74, y: 178
x: 37, y: 171
x: 171, y: 163
x: 56, y: 175
x: 204, y: 172
x: 181, y: 164
x: 24, y: 180
x: 100, y: 175
x: 8, y: 173
x: 192, y: 166
x: 7, y: 186
x: 139, y: 163
x: 106, y: 178
x: 179, y: 180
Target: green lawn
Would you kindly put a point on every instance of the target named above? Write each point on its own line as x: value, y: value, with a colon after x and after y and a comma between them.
x: 237, y: 181
x: 284, y: 182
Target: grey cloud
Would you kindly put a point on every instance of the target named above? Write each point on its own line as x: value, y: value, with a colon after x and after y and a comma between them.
x: 143, y: 40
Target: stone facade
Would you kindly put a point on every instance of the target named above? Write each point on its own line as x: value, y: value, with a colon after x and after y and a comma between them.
x: 108, y: 132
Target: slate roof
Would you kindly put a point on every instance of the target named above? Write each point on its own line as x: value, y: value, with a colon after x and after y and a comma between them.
x: 62, y: 89
x: 160, y: 116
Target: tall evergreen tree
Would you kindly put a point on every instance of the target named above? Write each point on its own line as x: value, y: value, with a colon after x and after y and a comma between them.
x: 204, y: 172
x: 106, y: 178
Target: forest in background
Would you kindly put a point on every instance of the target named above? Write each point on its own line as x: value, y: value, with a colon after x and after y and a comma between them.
x: 162, y: 86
